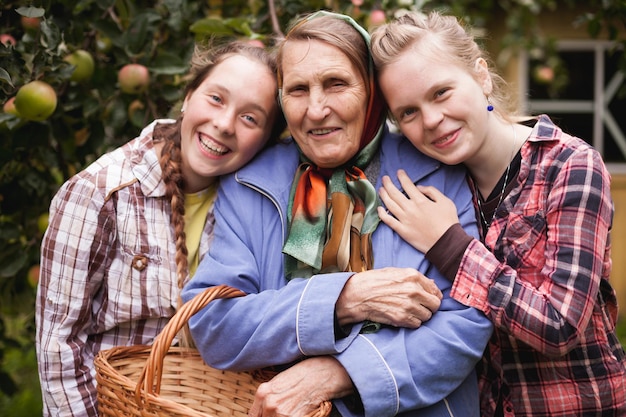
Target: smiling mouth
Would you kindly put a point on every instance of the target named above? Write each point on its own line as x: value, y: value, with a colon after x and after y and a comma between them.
x: 444, y: 139
x: 212, y: 147
x: 321, y: 131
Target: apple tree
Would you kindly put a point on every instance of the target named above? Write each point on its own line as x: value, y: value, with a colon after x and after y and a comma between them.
x: 80, y: 77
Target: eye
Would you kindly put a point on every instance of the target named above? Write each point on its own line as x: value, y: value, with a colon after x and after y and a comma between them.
x: 296, y: 90
x: 406, y: 114
x: 441, y: 92
x: 334, y: 83
x: 250, y: 119
x: 215, y: 98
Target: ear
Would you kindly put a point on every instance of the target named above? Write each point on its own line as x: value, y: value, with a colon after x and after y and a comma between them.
x: 483, y: 77
x: 184, y: 105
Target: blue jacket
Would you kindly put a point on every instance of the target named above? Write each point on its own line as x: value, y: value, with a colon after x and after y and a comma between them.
x: 395, y: 370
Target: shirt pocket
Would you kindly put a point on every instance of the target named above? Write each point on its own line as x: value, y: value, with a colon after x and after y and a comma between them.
x: 524, y: 243
x: 142, y: 276
x: 141, y: 286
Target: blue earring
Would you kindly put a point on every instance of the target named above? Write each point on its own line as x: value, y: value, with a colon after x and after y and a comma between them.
x: 489, y: 105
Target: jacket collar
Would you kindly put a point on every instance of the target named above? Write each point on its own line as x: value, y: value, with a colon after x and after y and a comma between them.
x: 272, y: 171
x: 145, y: 161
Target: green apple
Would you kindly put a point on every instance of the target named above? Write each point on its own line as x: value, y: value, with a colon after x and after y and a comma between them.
x: 133, y: 78
x: 36, y: 101
x: 84, y: 63
x: 42, y: 222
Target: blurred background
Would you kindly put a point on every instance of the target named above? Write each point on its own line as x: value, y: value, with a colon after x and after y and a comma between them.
x: 562, y: 57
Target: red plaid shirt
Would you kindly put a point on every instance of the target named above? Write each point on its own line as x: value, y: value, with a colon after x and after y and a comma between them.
x: 542, y: 276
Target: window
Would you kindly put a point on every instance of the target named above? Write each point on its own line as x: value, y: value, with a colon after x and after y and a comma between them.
x: 593, y: 104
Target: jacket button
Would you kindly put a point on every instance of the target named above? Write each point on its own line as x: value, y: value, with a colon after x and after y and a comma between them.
x: 140, y: 262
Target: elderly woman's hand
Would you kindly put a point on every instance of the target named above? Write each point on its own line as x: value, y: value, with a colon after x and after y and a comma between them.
x: 401, y: 297
x: 299, y: 390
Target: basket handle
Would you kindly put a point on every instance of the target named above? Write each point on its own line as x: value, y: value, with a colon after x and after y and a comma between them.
x: 150, y: 379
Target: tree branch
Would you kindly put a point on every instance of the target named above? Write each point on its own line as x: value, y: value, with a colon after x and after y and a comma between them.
x: 275, y: 24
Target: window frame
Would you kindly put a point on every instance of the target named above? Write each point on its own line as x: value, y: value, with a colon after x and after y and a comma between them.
x: 594, y: 107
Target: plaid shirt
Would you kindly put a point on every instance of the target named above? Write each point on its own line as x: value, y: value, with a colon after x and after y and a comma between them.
x: 542, y: 278
x: 107, y: 271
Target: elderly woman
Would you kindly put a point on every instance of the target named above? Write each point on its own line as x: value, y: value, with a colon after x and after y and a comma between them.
x: 352, y: 312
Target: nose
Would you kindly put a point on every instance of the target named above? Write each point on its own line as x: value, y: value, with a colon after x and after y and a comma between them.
x: 432, y: 116
x: 318, y: 105
x: 224, y: 122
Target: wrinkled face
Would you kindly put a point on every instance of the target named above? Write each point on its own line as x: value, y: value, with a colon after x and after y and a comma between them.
x: 324, y: 101
x: 226, y: 120
x: 440, y: 107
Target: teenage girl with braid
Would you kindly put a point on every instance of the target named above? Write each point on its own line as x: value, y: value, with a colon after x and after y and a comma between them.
x: 540, y: 271
x: 125, y: 233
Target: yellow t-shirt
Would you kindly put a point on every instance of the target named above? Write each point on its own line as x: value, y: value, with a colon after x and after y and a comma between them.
x: 197, y: 205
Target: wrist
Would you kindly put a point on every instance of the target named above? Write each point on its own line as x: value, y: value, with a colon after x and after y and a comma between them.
x: 347, y: 309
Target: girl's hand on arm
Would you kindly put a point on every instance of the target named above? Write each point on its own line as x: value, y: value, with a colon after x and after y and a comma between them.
x: 421, y: 216
x: 299, y: 390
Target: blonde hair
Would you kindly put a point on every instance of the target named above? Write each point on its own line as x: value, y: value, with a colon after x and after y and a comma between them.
x: 446, y: 38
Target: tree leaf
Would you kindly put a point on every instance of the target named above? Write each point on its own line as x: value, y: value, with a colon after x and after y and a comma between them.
x: 5, y: 76
x: 12, y: 263
x: 31, y: 11
x: 210, y: 26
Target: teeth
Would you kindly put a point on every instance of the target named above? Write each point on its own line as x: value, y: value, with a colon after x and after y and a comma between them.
x: 212, y: 146
x: 321, y: 131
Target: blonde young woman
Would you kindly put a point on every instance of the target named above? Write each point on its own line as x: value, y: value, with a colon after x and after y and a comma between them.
x: 127, y: 232
x: 540, y: 270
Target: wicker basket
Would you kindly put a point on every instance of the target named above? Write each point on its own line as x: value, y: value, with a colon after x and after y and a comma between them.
x: 161, y: 380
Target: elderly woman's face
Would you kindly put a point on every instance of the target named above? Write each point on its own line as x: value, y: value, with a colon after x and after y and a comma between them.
x: 324, y: 101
